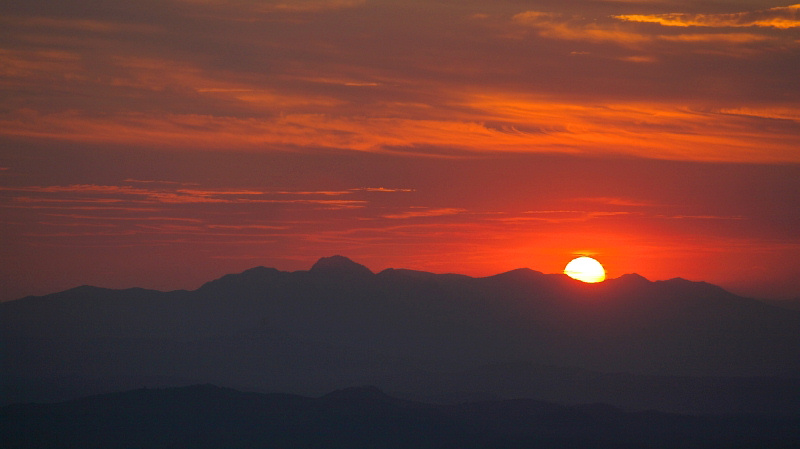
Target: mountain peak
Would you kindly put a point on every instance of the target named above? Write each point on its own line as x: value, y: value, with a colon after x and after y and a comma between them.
x: 519, y: 275
x: 630, y: 282
x: 340, y: 265
x: 256, y: 276
x: 633, y: 278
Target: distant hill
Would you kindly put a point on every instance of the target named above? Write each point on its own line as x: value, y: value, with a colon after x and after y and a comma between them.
x: 671, y: 345
x: 208, y: 417
x: 790, y: 304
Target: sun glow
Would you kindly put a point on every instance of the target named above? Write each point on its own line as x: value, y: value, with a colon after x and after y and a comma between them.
x: 585, y: 269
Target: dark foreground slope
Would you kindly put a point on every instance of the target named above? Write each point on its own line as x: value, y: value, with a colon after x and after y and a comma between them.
x: 210, y: 417
x: 672, y: 345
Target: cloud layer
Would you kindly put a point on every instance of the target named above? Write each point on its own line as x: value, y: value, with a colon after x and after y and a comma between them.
x: 380, y: 76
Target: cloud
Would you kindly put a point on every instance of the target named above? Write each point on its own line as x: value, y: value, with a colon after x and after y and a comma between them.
x: 566, y: 127
x: 244, y: 227
x: 85, y: 25
x: 558, y: 26
x: 425, y: 212
x: 381, y: 189
x: 196, y: 192
x: 99, y: 194
x: 80, y: 188
x: 119, y: 218
x: 551, y: 217
x: 292, y: 6
x: 574, y: 28
x: 390, y: 79
x: 702, y: 217
x: 725, y: 38
x: 316, y: 192
x: 780, y: 113
x: 783, y: 17
x: 28, y: 199
x: 616, y: 201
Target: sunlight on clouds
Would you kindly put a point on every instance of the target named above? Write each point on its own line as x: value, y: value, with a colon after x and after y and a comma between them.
x: 730, y: 38
x: 556, y: 26
x: 491, y: 123
x: 273, y: 99
x: 772, y: 113
x: 342, y: 82
x: 560, y: 217
x: 382, y: 189
x: 639, y: 59
x: 92, y: 193
x: 339, y: 90
x: 425, y: 212
x: 659, y: 131
x: 616, y: 201
x: 778, y: 17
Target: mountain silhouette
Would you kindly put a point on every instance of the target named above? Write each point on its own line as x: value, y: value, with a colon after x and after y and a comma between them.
x: 672, y: 345
x: 208, y: 417
x: 340, y: 266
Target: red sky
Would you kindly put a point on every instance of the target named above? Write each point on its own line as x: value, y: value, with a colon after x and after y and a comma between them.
x: 164, y: 143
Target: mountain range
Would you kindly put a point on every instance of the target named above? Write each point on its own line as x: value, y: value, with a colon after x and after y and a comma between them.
x: 209, y: 417
x: 675, y: 345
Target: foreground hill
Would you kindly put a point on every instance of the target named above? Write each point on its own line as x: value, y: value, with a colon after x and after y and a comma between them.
x: 210, y: 417
x: 682, y: 346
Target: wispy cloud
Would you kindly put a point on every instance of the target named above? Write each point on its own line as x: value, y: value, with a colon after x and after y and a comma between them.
x: 559, y: 26
x: 560, y: 216
x: 120, y: 218
x: 381, y: 189
x: 80, y: 188
x: 702, y: 217
x: 426, y: 212
x: 153, y: 181
x: 316, y: 192
x: 782, y: 17
x: 244, y: 227
x: 576, y: 28
x: 88, y: 193
x: 615, y: 201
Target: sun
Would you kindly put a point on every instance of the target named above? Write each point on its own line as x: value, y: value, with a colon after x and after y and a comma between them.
x: 585, y: 269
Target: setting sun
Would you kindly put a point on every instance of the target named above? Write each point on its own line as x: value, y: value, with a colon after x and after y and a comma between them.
x: 585, y: 269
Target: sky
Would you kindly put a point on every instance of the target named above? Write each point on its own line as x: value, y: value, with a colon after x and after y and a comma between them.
x: 162, y: 144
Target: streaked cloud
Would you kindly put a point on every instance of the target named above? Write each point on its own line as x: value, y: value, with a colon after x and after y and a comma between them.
x: 702, y: 217
x: 557, y: 26
x: 80, y: 188
x: 246, y: 227
x: 576, y: 28
x: 157, y: 79
x: 781, y: 17
x: 381, y: 189
x: 426, y: 212
x: 616, y: 201
x: 103, y: 194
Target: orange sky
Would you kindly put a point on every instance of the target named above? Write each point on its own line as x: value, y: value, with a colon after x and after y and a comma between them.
x: 164, y: 143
